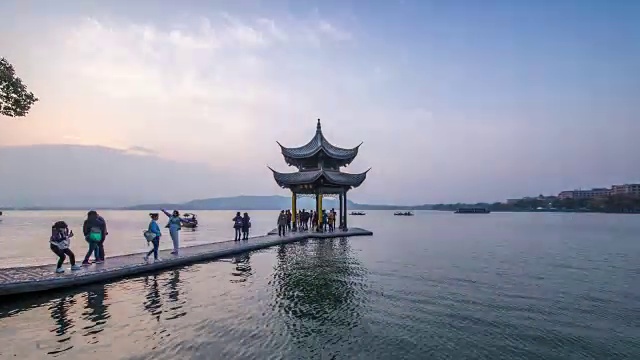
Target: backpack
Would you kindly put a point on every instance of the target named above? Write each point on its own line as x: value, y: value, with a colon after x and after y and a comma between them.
x: 95, y: 234
x: 60, y: 235
x: 238, y: 222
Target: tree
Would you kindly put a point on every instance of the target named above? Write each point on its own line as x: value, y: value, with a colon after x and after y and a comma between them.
x: 15, y: 99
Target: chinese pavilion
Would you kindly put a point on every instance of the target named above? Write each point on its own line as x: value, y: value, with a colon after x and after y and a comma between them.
x: 318, y: 163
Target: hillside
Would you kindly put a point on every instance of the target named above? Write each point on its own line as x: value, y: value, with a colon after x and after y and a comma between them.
x: 274, y: 202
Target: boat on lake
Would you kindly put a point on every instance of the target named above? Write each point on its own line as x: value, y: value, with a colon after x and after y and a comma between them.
x: 358, y: 213
x: 403, y: 213
x: 191, y: 221
x: 472, y: 211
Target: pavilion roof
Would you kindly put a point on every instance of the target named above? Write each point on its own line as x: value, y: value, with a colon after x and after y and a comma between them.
x: 319, y: 143
x: 331, y: 177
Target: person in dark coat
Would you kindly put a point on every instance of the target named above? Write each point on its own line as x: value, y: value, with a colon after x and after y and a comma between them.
x: 94, y: 231
x: 246, y: 224
x: 99, y: 253
x: 237, y: 224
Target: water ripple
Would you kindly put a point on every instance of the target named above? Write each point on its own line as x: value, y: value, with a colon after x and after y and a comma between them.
x: 510, y: 286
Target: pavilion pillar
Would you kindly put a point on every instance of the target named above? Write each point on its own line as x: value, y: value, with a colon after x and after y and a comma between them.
x: 314, y: 226
x: 320, y: 212
x: 344, y: 225
x: 294, y: 210
x: 340, y: 217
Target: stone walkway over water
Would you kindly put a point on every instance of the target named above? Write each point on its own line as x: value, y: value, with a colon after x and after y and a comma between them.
x: 22, y: 280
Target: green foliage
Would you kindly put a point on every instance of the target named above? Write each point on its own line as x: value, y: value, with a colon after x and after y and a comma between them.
x: 15, y: 99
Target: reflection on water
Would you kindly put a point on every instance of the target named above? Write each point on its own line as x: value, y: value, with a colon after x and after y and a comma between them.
x: 174, y: 301
x: 153, y: 302
x: 319, y: 293
x: 96, y: 312
x: 242, y: 268
x: 59, y: 310
x: 509, y: 286
x: 297, y: 295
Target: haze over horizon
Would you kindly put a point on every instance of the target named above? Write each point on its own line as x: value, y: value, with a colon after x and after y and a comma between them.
x: 455, y: 101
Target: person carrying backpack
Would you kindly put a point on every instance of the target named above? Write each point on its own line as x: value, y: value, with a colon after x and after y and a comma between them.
x: 59, y: 243
x: 94, y: 231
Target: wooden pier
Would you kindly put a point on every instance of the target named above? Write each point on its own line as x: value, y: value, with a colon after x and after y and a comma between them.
x: 21, y: 280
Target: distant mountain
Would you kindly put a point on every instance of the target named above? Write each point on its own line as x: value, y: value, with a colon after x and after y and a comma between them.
x: 274, y: 202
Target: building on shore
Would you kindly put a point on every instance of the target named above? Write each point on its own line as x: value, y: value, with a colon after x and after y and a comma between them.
x: 632, y: 190
x: 626, y: 190
x: 585, y: 194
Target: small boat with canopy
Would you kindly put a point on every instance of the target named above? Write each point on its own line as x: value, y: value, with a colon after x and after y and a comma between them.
x: 190, y: 221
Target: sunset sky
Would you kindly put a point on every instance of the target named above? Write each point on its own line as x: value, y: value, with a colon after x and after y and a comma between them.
x: 454, y: 100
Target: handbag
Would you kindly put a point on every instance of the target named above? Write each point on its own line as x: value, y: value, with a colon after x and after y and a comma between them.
x: 149, y: 235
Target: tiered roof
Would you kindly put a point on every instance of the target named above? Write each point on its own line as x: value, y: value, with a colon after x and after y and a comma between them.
x: 319, y: 164
x: 318, y: 146
x: 310, y: 176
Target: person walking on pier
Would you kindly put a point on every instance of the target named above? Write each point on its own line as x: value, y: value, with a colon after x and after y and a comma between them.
x: 93, y: 230
x: 246, y: 225
x: 174, y: 225
x: 154, y: 229
x: 237, y: 224
x: 59, y: 243
x: 288, y: 213
x: 282, y: 223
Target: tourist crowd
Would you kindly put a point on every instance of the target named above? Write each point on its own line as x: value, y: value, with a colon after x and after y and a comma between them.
x: 323, y: 222
x: 94, y: 230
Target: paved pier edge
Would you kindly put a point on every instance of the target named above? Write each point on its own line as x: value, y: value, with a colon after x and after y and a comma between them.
x: 101, y: 274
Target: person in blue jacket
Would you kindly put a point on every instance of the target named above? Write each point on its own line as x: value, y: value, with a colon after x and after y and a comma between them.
x: 155, y: 229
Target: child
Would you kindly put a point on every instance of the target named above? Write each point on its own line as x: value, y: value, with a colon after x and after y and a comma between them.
x: 154, y: 229
x: 59, y: 243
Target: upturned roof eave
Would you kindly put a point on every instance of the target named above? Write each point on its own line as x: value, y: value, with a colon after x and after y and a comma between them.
x: 317, y: 144
x: 352, y: 180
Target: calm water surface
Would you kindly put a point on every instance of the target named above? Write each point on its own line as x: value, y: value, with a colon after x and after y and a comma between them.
x: 432, y: 286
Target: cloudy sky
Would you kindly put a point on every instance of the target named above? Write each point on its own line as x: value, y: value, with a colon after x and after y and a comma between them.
x: 454, y: 100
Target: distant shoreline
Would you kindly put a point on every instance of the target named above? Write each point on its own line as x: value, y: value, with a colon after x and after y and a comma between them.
x: 552, y: 211
x: 277, y: 209
x: 279, y: 202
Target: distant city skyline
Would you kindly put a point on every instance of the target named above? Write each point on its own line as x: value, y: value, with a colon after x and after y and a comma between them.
x: 455, y: 101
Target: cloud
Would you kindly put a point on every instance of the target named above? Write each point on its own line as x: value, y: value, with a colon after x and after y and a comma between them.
x: 216, y: 88
x: 333, y: 32
x: 206, y: 79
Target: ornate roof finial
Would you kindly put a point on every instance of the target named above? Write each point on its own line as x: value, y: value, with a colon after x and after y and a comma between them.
x: 318, y: 127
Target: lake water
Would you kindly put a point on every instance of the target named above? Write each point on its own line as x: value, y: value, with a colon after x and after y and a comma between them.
x: 433, y: 286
